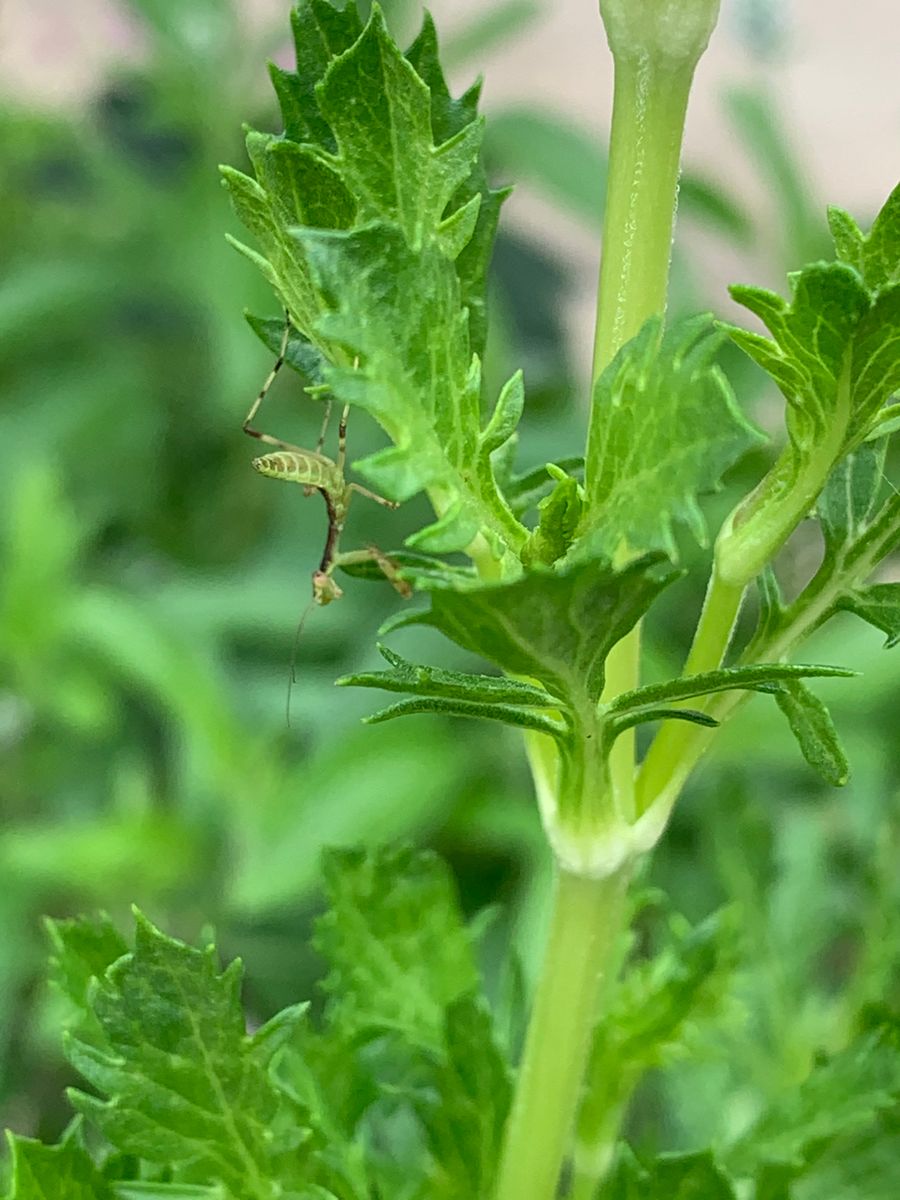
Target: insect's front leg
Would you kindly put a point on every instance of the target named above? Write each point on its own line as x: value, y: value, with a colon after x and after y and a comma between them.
x: 385, y: 563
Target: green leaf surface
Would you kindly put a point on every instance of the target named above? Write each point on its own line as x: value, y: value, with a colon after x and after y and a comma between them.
x: 848, y: 501
x: 879, y: 605
x: 63, y: 1172
x: 842, y: 1096
x: 375, y: 225
x: 812, y: 726
x: 834, y: 353
x: 693, y: 1176
x: 299, y: 353
x: 380, y: 112
x: 555, y: 627
x: 877, y: 256
x: 398, y: 310
x: 507, y: 714
x: 665, y: 428
x: 83, y: 949
x: 181, y: 1083
x: 760, y: 677
x: 398, y: 951
x: 462, y: 1102
x: 406, y: 676
x: 448, y: 118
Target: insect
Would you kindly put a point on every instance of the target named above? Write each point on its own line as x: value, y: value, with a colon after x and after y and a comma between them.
x: 315, y: 472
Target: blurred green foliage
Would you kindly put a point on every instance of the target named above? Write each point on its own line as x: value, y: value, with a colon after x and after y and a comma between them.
x: 150, y: 585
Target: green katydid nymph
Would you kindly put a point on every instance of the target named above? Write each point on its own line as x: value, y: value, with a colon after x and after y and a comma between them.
x: 315, y: 472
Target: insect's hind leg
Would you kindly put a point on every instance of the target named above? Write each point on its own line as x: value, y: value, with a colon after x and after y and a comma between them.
x: 364, y: 491
x: 270, y: 379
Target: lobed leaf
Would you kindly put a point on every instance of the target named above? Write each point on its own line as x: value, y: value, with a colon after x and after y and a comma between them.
x: 842, y: 1095
x: 665, y: 427
x: 394, y: 939
x: 877, y: 256
x: 63, y: 1172
x: 834, y: 354
x: 375, y: 223
x: 553, y: 626
x: 462, y: 1101
x: 181, y: 1083
x: 690, y: 1176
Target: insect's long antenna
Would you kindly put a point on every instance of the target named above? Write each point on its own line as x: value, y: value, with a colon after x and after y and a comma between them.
x: 292, y: 676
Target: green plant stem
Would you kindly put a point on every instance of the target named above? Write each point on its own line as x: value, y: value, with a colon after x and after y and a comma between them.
x: 649, y: 107
x: 581, y: 951
x: 674, y: 743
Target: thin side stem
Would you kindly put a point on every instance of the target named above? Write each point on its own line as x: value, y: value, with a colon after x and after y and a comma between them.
x: 581, y: 952
x: 674, y: 744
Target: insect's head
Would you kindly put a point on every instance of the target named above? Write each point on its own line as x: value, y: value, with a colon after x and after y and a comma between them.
x: 325, y: 589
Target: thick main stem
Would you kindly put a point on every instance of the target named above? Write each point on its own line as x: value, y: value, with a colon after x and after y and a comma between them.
x: 649, y: 107
x: 656, y: 45
x: 581, y: 950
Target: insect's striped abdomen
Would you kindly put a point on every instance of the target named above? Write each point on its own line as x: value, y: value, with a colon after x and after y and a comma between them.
x: 310, y: 470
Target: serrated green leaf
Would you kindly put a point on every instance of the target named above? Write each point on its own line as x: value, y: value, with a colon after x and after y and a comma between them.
x: 664, y: 429
x: 63, y: 1172
x: 880, y: 606
x: 835, y: 354
x: 555, y: 627
x: 848, y: 500
x: 876, y: 257
x: 322, y: 31
x: 448, y: 118
x: 282, y: 260
x: 398, y: 310
x: 462, y: 1103
x: 180, y: 1081
x: 395, y: 943
x: 812, y: 337
x: 83, y: 949
x: 692, y: 1176
x: 841, y: 1096
x: 375, y: 223
x: 380, y: 112
x: 302, y: 186
x: 811, y: 725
